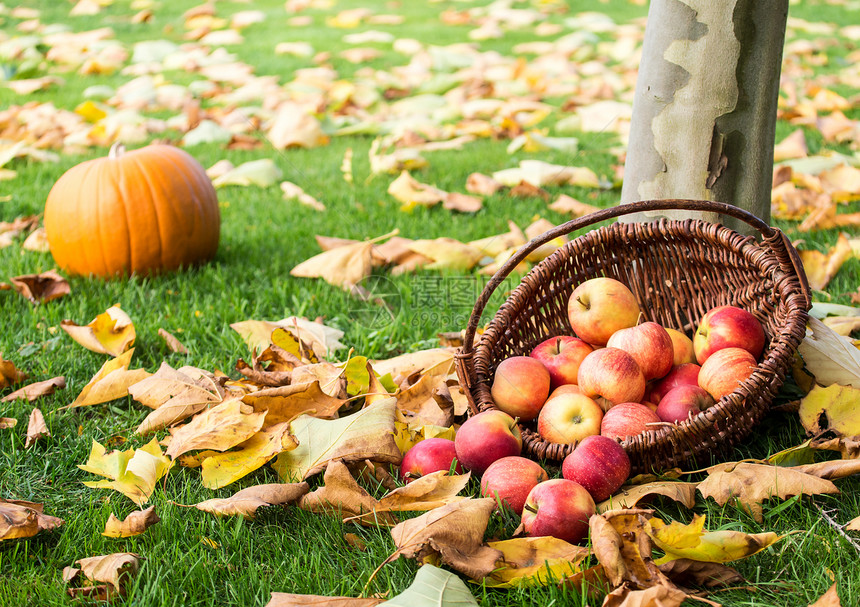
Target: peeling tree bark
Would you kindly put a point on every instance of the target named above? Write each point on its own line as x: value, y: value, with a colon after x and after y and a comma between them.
x: 704, y: 111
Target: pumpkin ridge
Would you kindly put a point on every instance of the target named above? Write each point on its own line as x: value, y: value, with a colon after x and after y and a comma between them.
x: 144, y: 173
x: 122, y: 185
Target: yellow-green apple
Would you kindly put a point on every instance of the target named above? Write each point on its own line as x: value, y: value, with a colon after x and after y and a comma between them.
x: 565, y: 389
x: 612, y: 374
x: 428, y: 455
x: 520, y: 386
x: 560, y: 508
x: 627, y: 419
x: 683, y: 402
x: 682, y: 347
x: 599, y: 464
x: 510, y: 479
x: 569, y: 418
x: 561, y: 356
x: 682, y: 375
x: 728, y: 327
x: 599, y: 307
x: 724, y: 370
x: 486, y: 437
x: 650, y: 346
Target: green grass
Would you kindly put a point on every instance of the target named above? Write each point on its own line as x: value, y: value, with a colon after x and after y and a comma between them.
x: 263, y: 238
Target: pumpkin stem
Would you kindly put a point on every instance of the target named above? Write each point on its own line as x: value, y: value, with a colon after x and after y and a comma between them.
x: 116, y: 150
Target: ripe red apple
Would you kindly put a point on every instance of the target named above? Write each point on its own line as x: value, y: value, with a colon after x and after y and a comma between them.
x: 724, y: 370
x: 612, y: 374
x: 627, y: 419
x: 510, y: 479
x: 728, y: 327
x: 561, y: 356
x: 682, y: 402
x: 429, y: 455
x: 599, y: 307
x: 682, y: 346
x: 486, y: 437
x: 560, y: 508
x: 569, y: 418
x: 520, y: 386
x: 682, y: 375
x: 650, y: 346
x: 599, y: 464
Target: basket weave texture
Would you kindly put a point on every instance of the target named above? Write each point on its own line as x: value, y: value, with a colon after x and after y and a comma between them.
x: 678, y: 270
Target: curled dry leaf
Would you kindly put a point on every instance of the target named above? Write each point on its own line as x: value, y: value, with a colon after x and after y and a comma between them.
x: 692, y: 541
x: 622, y: 546
x: 793, y: 146
x: 9, y: 374
x: 343, y: 267
x: 41, y: 288
x: 447, y: 253
x: 175, y: 394
x: 285, y: 403
x: 534, y: 561
x: 36, y: 428
x: 173, y: 344
x: 405, y: 365
x: 831, y: 358
x: 261, y: 173
x: 293, y: 192
x: 133, y: 472
x: 20, y: 519
x: 632, y: 496
x: 565, y: 205
x: 342, y: 495
x: 831, y: 469
x: 286, y: 599
x: 114, y: 569
x: 220, y: 428
x: 221, y: 469
x: 411, y: 433
x: 411, y: 192
x: 31, y: 392
x: 662, y: 596
x: 687, y: 572
x: 246, y: 502
x: 294, y: 127
x: 111, y: 332
x: 455, y: 533
x: 111, y: 382
x: 478, y: 183
x: 853, y: 524
x: 828, y: 599
x: 821, y: 267
x: 8, y: 422
x: 134, y: 524
x: 832, y: 408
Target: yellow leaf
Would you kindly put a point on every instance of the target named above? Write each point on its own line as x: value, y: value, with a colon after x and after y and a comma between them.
x: 831, y: 358
x: 221, y: 469
x: 447, y: 253
x: 110, y: 382
x: 343, y: 267
x: 410, y: 191
x: 134, y: 524
x: 831, y: 408
x: 285, y: 403
x: 219, y: 428
x: 534, y: 561
x: 246, y: 502
x: 111, y: 332
x: 175, y: 394
x: 90, y: 112
x: 693, y: 542
x: 408, y: 434
x: 133, y: 473
x: 843, y: 325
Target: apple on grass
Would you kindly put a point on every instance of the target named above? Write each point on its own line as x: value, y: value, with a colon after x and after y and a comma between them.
x: 569, y: 418
x: 560, y: 508
x: 612, y: 374
x: 627, y: 419
x: 599, y: 307
x: 680, y: 403
x: 682, y: 347
x: 728, y: 327
x: 520, y: 386
x: 682, y: 375
x: 650, y: 346
x: 599, y: 464
x: 561, y: 356
x: 429, y: 455
x: 485, y: 438
x: 724, y: 370
x: 510, y: 479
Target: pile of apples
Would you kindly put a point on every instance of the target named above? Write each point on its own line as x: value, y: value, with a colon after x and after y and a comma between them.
x: 612, y: 379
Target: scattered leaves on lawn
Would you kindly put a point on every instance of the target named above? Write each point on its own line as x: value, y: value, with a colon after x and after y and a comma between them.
x: 111, y: 332
x: 285, y: 403
x: 342, y: 495
x: 20, y: 519
x: 246, y: 502
x: 821, y: 267
x: 134, y: 524
x: 41, y: 288
x: 36, y: 390
x: 286, y: 599
x: 133, y: 472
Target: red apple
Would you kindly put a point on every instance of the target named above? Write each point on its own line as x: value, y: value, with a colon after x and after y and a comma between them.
x: 599, y: 307
x: 429, y: 455
x: 520, y: 386
x: 650, y: 346
x: 724, y: 370
x: 599, y: 464
x: 486, y: 437
x: 612, y: 374
x: 682, y: 375
x: 728, y: 327
x: 510, y: 479
x: 682, y: 346
x: 561, y: 356
x: 680, y: 403
x: 569, y: 418
x: 560, y: 508
x: 565, y: 389
x: 627, y: 419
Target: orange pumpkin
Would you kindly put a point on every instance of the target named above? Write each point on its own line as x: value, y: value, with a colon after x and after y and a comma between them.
x: 140, y: 212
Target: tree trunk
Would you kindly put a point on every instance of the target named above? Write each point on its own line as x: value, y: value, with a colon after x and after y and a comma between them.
x: 704, y: 111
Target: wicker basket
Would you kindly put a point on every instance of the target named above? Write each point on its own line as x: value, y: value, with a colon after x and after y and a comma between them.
x: 678, y: 270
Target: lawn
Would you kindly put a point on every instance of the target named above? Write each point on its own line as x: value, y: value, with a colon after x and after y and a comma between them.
x: 192, y: 558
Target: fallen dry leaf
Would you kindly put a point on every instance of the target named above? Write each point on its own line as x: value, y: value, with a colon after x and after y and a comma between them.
x: 20, y: 519
x: 8, y: 422
x: 246, y: 502
x: 134, y: 524
x: 221, y: 469
x: 285, y: 403
x: 478, y: 183
x: 405, y: 365
x: 622, y: 546
x: 411, y: 192
x: 293, y: 192
x: 822, y: 267
x: 111, y: 332
x: 111, y: 382
x: 831, y: 469
x: 534, y: 561
x: 447, y: 253
x: 220, y: 428
x: 793, y: 146
x: 286, y: 599
x: 342, y: 495
x: 342, y: 267
x: 294, y: 127
x: 567, y: 205
x: 843, y: 325
x: 687, y: 572
x: 114, y: 569
x: 41, y: 288
x: 36, y: 390
x: 655, y: 596
x: 632, y: 496
x: 692, y: 541
x: 36, y: 428
x: 828, y: 599
x: 175, y: 394
x: 9, y: 373
x: 133, y: 472
x: 831, y: 358
x: 831, y: 408
x: 853, y: 524
x: 173, y: 344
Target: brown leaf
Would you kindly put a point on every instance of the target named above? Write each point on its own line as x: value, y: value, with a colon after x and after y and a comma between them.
x: 134, y: 524
x: 41, y: 288
x: 687, y: 572
x: 330, y: 378
x: 102, y: 593
x: 455, y: 201
x: 113, y: 569
x: 175, y: 394
x: 478, y: 183
x: 36, y: 428
x: 20, y: 519
x: 822, y: 267
x: 285, y: 403
x: 631, y: 496
x: 455, y: 533
x: 831, y: 469
x: 285, y: 599
x: 343, y: 267
x: 751, y: 484
x: 655, y: 596
x: 853, y: 524
x: 525, y: 189
x: 426, y: 493
x: 828, y: 599
x: 9, y: 374
x: 342, y: 495
x: 622, y: 545
x: 36, y: 390
x: 848, y: 447
x: 246, y: 502
x: 793, y: 146
x: 173, y: 344
x: 220, y: 428
x: 564, y: 204
x: 8, y: 422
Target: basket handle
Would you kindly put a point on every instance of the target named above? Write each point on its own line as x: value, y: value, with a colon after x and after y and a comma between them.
x: 774, y: 236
